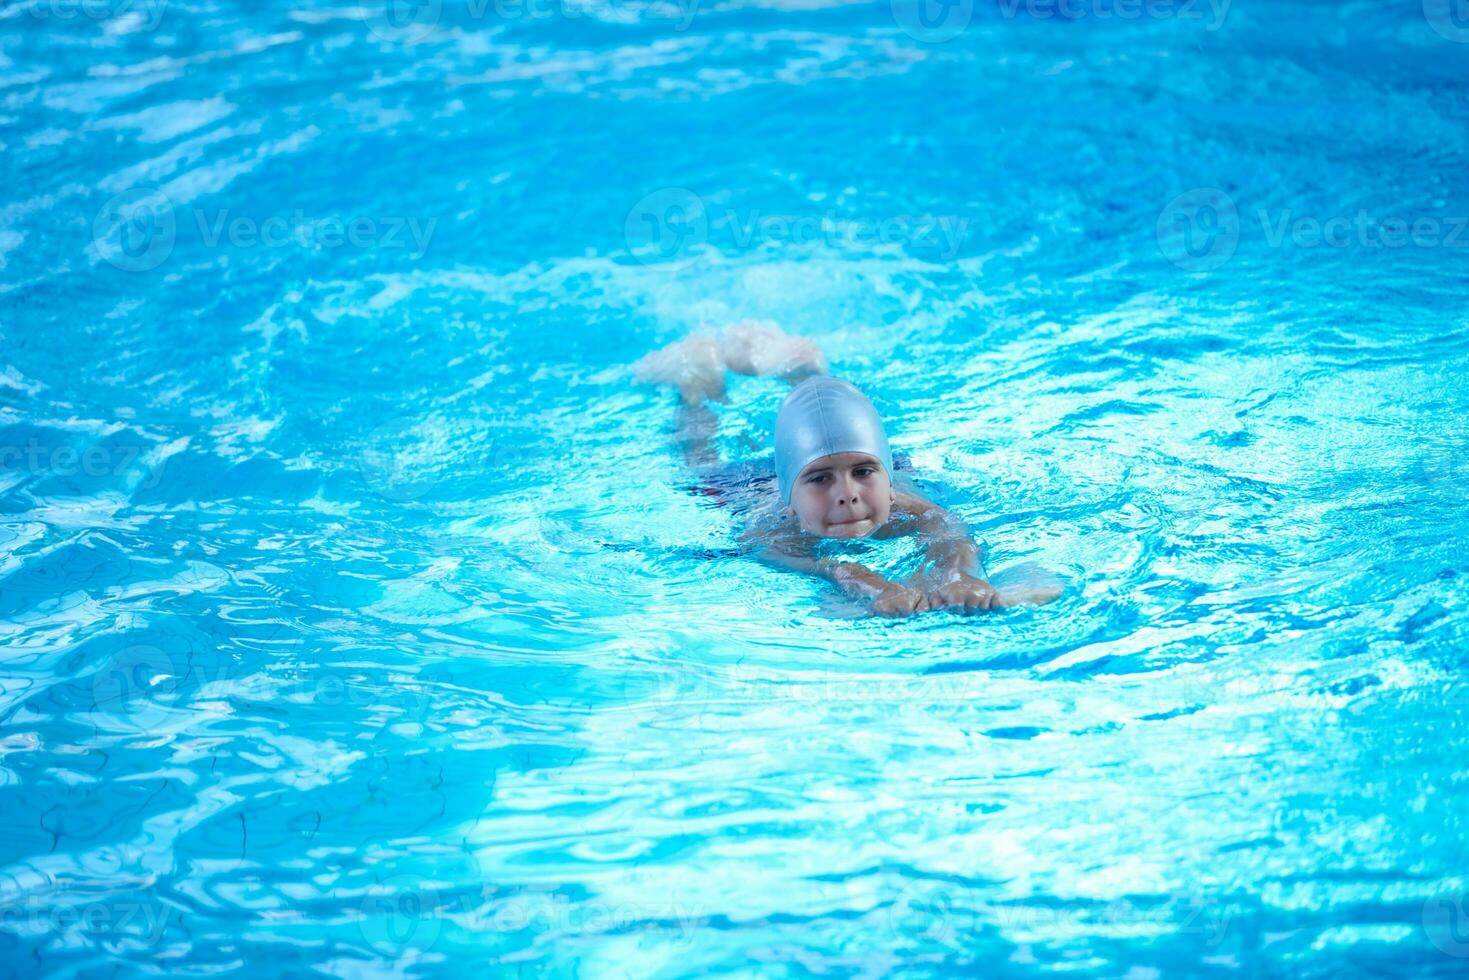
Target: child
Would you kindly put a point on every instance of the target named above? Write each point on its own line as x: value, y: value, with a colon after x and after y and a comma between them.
x: 834, y: 475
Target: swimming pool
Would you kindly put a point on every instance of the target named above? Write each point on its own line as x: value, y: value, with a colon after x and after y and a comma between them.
x: 355, y: 620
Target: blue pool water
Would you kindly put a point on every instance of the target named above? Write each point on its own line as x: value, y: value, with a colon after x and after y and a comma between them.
x: 354, y: 620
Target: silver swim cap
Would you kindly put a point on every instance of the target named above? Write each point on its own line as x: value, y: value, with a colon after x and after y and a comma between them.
x: 822, y: 416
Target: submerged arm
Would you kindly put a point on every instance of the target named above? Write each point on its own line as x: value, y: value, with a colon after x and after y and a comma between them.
x: 888, y: 598
x: 694, y: 430
x: 951, y: 572
x: 949, y: 552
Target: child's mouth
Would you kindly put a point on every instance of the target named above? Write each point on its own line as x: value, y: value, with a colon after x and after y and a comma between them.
x: 847, y: 525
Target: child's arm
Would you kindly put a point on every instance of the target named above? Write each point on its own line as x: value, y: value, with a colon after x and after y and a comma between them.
x: 888, y: 598
x: 951, y: 570
x: 951, y: 573
x: 949, y: 551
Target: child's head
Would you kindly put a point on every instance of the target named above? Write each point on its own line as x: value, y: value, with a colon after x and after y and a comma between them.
x: 832, y: 460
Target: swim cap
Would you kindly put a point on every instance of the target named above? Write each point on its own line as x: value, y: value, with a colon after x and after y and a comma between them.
x: 822, y: 416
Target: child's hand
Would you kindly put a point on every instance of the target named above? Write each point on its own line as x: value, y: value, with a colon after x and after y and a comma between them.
x: 966, y: 593
x: 1027, y: 584
x: 899, y: 600
x: 1028, y: 595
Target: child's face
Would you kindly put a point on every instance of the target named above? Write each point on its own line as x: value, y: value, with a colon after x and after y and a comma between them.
x: 845, y: 495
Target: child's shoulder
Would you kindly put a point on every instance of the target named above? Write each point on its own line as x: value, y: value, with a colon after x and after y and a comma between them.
x: 900, y: 522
